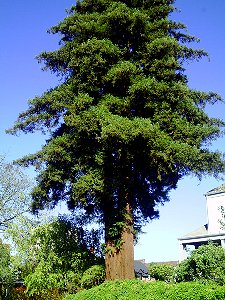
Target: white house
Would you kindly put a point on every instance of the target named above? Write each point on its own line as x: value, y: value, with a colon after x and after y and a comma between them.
x: 210, y: 231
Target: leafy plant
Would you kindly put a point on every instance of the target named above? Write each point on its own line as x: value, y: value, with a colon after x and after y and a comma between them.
x: 138, y: 290
x: 6, y: 272
x: 15, y: 187
x: 162, y: 272
x: 95, y: 275
x: 207, y: 263
x: 60, y: 253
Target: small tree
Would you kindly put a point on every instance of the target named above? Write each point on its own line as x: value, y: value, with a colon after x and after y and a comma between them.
x: 207, y: 263
x: 15, y: 201
x: 162, y: 272
x: 15, y: 187
x: 59, y: 252
x: 6, y: 275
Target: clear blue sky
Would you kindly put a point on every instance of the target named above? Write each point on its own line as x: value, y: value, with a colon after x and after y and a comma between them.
x: 23, y: 35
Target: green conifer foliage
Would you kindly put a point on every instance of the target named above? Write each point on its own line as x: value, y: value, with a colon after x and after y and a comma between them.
x: 123, y: 124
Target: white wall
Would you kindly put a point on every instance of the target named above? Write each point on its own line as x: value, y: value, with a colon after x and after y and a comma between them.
x: 214, y: 202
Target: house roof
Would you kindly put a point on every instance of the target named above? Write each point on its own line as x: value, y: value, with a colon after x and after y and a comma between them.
x: 217, y: 190
x: 201, y: 231
x: 140, y: 268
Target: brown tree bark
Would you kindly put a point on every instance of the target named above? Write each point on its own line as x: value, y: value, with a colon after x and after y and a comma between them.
x: 120, y: 262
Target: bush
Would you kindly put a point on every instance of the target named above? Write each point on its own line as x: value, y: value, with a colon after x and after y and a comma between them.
x: 93, y: 276
x: 60, y: 253
x: 18, y: 293
x: 121, y: 290
x: 138, y: 290
x: 195, y: 291
x: 207, y: 263
x: 161, y: 272
x: 51, y: 294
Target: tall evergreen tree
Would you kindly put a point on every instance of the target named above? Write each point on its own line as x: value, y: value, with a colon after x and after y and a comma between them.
x: 123, y: 124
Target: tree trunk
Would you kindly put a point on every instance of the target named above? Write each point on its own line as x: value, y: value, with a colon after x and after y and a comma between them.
x: 120, y: 262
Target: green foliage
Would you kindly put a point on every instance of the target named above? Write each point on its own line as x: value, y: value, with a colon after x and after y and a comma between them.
x: 195, y: 291
x: 15, y: 201
x: 207, y: 263
x: 138, y: 290
x: 59, y: 253
x: 7, y: 275
x: 162, y: 272
x: 19, y: 293
x: 51, y: 256
x: 95, y: 275
x: 15, y: 187
x: 18, y: 235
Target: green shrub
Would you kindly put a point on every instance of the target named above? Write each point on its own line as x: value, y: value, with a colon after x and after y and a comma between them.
x: 63, y: 256
x: 93, y: 276
x: 139, y: 290
x: 207, y: 263
x: 161, y: 272
x: 195, y: 291
x: 51, y: 294
x: 121, y: 290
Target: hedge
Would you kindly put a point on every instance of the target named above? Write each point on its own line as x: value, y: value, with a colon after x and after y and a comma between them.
x: 138, y: 290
